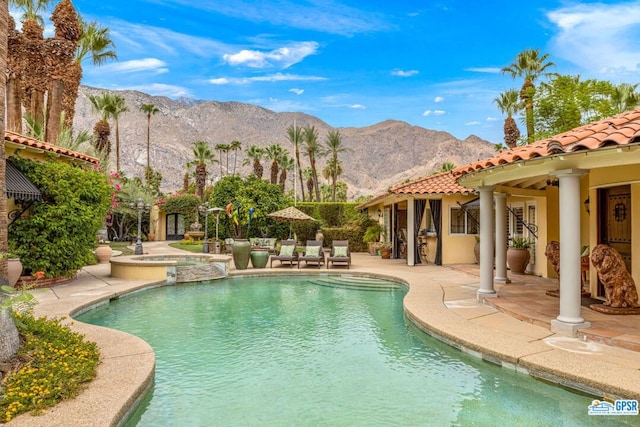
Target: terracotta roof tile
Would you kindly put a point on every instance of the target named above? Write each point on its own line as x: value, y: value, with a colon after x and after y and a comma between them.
x: 621, y: 129
x: 16, y: 138
x: 442, y: 183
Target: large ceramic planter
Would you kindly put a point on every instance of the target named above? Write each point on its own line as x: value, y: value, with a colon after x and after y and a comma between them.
x: 385, y: 253
x: 14, y: 271
x: 259, y: 258
x: 518, y: 259
x: 103, y: 253
x: 241, y: 251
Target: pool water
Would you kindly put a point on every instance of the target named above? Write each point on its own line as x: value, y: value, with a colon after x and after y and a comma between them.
x: 281, y: 351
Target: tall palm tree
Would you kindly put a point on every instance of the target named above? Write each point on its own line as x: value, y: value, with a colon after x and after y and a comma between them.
x: 625, y: 97
x: 235, y: 146
x: 307, y: 173
x: 203, y: 155
x: 274, y: 153
x: 530, y: 66
x: 9, y: 337
x: 149, y: 110
x: 295, y: 137
x: 509, y: 103
x: 117, y: 106
x: 223, y: 148
x: 254, y: 155
x: 286, y: 164
x: 310, y: 136
x: 101, y: 130
x: 334, y: 146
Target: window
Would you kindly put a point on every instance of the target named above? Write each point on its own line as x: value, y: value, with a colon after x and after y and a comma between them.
x: 464, y: 221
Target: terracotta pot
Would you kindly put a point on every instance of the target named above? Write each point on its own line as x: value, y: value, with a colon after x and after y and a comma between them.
x: 385, y: 253
x: 103, y: 252
x: 14, y: 271
x: 518, y: 259
x: 241, y: 250
x: 151, y: 237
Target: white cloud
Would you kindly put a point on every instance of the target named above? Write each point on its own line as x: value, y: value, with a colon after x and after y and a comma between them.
x: 491, y: 70
x: 598, y: 37
x: 278, y: 77
x: 427, y: 113
x: 357, y: 107
x: 137, y: 65
x: 438, y: 99
x: 475, y: 123
x: 492, y: 119
x: 297, y: 91
x: 402, y: 73
x: 282, y: 57
x: 159, y: 89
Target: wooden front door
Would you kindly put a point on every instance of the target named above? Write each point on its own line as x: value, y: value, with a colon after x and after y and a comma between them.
x: 614, y: 222
x: 175, y: 226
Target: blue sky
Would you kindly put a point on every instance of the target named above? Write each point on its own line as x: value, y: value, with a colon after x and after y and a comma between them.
x: 433, y: 64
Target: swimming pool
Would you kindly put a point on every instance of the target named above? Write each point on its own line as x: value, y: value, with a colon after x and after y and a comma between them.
x: 288, y: 351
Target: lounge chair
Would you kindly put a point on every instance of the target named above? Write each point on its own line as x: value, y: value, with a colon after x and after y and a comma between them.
x: 340, y: 253
x: 313, y: 253
x: 287, y: 253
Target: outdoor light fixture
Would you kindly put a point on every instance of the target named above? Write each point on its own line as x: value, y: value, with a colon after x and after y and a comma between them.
x: 586, y: 205
x: 205, y: 210
x: 141, y: 207
x: 379, y: 213
x: 553, y: 182
x: 217, y: 212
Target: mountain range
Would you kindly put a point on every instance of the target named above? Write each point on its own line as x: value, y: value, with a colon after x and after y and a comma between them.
x: 379, y: 156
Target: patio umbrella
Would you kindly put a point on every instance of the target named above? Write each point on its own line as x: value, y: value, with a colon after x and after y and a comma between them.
x: 290, y: 215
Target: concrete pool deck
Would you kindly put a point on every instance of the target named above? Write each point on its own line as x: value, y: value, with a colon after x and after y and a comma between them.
x: 441, y: 301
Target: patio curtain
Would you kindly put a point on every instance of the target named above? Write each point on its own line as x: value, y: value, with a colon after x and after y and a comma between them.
x: 436, y: 215
x: 396, y: 232
x: 418, y: 206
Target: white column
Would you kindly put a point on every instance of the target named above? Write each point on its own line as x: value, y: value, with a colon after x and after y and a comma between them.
x: 570, y: 318
x: 501, y: 238
x: 486, y: 243
x: 411, y: 222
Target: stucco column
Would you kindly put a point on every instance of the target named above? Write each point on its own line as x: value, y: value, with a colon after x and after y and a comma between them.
x: 501, y: 238
x: 411, y: 222
x: 486, y: 243
x: 570, y: 318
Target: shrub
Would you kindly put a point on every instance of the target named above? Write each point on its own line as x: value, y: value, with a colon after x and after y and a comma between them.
x: 58, y: 362
x: 60, y: 234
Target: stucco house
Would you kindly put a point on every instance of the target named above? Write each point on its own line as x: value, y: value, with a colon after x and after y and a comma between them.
x: 580, y: 188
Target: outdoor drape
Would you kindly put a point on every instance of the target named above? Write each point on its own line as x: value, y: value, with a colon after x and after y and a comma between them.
x: 396, y: 233
x: 418, y: 206
x: 436, y: 215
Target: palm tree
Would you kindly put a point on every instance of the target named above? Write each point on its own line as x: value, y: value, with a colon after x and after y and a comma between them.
x: 334, y: 146
x: 307, y: 173
x: 223, y: 148
x: 117, y: 106
x: 310, y: 136
x: 235, y: 146
x: 101, y: 130
x: 625, y: 97
x: 149, y: 110
x: 274, y: 153
x: 295, y: 137
x: 286, y: 164
x: 9, y: 337
x: 530, y: 66
x: 203, y: 155
x: 509, y: 103
x: 254, y: 155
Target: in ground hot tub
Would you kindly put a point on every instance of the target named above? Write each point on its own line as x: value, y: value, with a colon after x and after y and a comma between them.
x: 172, y: 268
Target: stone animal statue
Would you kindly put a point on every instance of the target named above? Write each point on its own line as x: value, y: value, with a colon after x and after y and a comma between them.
x: 552, y: 252
x: 620, y: 289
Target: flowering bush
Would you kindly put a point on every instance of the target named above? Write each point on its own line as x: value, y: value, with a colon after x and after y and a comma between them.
x: 57, y: 362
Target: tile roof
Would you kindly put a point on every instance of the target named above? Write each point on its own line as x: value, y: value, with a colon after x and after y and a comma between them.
x: 621, y: 129
x: 16, y: 138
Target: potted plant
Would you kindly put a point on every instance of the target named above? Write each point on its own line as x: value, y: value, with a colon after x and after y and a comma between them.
x: 371, y: 237
x: 518, y: 254
x: 476, y: 249
x: 385, y: 250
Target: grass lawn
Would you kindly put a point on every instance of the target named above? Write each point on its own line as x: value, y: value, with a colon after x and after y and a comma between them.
x: 195, y: 248
x: 121, y: 246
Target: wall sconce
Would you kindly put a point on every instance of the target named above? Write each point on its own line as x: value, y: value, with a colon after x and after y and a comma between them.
x: 586, y: 205
x: 379, y: 214
x: 553, y: 182
x: 619, y: 212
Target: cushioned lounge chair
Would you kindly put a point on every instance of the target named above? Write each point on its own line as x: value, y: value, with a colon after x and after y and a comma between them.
x: 340, y: 253
x: 287, y: 253
x: 313, y: 253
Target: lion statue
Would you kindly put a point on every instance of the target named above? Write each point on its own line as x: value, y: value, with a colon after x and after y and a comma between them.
x: 552, y: 252
x: 620, y: 289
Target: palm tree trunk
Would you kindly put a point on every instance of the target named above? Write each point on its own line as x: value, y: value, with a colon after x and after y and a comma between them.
x: 9, y: 338
x: 148, y: 139
x: 117, y: 146
x: 314, y: 174
x: 300, y: 173
x: 54, y: 111
x: 14, y: 106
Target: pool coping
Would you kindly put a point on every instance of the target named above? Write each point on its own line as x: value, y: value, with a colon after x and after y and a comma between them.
x: 127, y: 369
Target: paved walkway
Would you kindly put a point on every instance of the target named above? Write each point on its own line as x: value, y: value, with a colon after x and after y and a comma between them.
x: 511, y: 331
